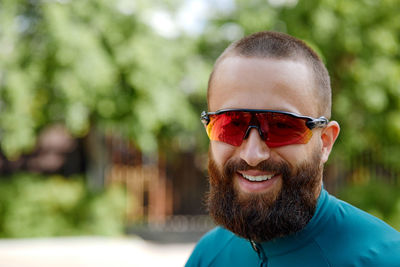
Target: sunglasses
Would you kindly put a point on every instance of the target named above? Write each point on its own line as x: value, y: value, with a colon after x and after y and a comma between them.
x: 276, y: 128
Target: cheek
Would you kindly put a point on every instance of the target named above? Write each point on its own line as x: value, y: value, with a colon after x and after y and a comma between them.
x: 295, y: 154
x: 221, y: 152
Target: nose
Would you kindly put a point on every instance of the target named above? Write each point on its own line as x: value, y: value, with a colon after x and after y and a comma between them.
x: 254, y: 149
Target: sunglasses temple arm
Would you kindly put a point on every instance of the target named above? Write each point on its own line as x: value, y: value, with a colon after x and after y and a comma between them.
x: 317, y: 123
x: 205, y: 119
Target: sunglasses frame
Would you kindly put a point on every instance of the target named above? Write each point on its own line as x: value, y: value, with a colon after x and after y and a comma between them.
x: 311, y: 122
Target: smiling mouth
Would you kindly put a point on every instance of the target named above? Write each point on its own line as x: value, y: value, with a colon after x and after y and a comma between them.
x: 258, y: 178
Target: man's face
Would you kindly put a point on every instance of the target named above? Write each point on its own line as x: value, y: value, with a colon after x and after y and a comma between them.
x: 295, y: 170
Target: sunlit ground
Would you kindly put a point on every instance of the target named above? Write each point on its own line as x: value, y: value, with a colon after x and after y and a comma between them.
x: 91, y: 251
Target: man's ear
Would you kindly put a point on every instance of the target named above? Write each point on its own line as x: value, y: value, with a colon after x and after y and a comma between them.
x: 328, y: 138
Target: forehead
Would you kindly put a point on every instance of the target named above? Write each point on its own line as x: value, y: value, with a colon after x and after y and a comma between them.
x: 263, y: 83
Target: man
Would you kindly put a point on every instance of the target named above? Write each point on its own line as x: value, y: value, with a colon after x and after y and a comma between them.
x: 269, y: 101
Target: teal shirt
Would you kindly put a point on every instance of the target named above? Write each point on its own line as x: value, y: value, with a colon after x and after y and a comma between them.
x: 337, y: 235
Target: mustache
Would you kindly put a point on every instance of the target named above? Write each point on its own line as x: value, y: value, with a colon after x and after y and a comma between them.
x: 233, y: 166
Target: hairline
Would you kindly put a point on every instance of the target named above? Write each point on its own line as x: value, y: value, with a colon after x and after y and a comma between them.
x: 297, y: 58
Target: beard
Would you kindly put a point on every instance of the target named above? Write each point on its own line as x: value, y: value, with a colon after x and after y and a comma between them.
x: 263, y: 216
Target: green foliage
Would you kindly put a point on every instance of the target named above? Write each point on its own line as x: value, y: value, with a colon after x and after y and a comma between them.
x: 93, y: 63
x: 32, y: 205
x: 377, y: 197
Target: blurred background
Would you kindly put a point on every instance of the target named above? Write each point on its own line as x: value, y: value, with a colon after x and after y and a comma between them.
x: 101, y: 146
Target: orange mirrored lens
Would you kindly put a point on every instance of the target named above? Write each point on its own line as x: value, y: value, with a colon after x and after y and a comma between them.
x: 229, y: 127
x: 282, y: 129
x: 278, y: 129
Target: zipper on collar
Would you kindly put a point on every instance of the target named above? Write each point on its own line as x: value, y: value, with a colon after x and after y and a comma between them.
x: 260, y: 252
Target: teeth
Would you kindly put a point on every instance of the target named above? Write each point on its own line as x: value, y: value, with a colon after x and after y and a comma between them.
x: 258, y: 178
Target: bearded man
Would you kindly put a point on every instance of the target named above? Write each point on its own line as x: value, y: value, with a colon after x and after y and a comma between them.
x: 269, y: 101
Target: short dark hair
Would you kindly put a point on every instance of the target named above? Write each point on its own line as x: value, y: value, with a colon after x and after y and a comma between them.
x: 277, y: 45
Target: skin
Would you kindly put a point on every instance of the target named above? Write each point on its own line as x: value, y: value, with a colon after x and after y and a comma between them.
x: 262, y: 83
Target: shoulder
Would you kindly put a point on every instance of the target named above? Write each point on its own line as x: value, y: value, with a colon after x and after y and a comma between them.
x: 352, y: 234
x: 209, y: 246
x: 365, y: 225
